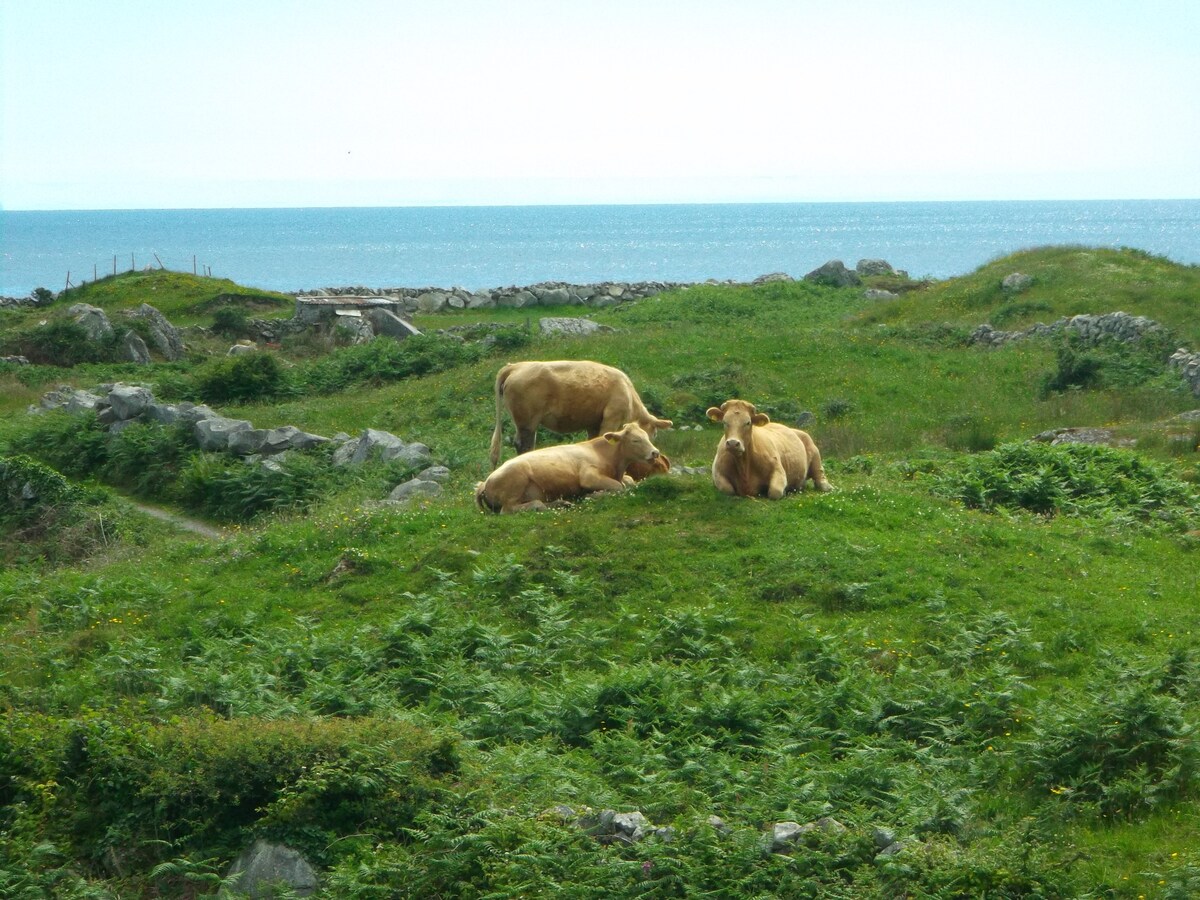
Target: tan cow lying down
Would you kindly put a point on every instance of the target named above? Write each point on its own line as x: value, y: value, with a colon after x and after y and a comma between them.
x: 567, y: 396
x: 540, y: 477
x: 639, y: 471
x: 757, y: 456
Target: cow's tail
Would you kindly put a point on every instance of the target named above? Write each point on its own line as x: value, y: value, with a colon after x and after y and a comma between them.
x: 498, y: 433
x: 481, y: 499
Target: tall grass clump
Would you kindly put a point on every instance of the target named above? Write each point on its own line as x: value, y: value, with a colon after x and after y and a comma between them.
x: 1075, y: 479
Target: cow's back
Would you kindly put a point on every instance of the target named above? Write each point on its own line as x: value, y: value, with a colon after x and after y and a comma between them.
x: 569, y: 395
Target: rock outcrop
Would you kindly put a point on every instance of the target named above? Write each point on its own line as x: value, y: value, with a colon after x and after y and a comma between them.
x: 834, y: 274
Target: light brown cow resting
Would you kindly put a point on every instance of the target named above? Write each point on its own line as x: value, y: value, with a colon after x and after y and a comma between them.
x: 553, y: 474
x: 567, y: 396
x: 757, y: 456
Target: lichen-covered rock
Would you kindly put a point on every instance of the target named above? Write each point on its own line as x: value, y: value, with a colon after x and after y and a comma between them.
x: 834, y: 274
x: 411, y: 490
x: 570, y: 326
x: 261, y: 870
x: 214, y: 434
x: 129, y: 401
x: 1016, y: 283
x: 92, y: 320
x: 874, y: 267
x: 163, y: 335
x: 134, y: 349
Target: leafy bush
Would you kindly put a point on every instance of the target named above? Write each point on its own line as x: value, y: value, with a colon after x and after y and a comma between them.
x: 836, y: 408
x: 240, y: 379
x: 1074, y: 479
x: 215, y: 486
x: 43, y: 516
x: 378, y: 362
x: 133, y: 793
x: 231, y: 322
x: 1108, y: 364
x: 1121, y: 751
x: 147, y: 457
x: 31, y: 491
x: 694, y: 392
x: 75, y: 445
x: 60, y: 342
x: 1075, y: 369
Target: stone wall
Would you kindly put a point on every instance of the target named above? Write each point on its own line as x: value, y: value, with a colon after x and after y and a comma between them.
x: 546, y: 293
x: 1091, y: 329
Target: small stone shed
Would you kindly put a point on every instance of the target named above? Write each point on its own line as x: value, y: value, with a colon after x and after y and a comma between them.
x: 385, y: 314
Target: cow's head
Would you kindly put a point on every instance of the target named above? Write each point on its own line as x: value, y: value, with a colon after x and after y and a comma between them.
x: 635, y: 444
x: 739, y: 417
x: 640, y: 471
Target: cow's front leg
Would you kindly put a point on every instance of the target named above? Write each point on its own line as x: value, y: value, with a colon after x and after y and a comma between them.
x: 778, y: 484
x: 592, y: 480
x: 723, y: 484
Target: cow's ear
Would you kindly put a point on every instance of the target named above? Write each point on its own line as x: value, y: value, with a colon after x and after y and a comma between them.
x: 613, y: 437
x: 663, y: 423
x: 715, y: 414
x: 760, y: 419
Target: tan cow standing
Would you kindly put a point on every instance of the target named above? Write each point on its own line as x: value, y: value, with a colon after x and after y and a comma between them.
x: 540, y: 477
x: 757, y: 456
x: 567, y: 396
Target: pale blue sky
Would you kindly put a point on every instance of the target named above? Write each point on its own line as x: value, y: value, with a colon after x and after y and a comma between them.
x: 239, y: 103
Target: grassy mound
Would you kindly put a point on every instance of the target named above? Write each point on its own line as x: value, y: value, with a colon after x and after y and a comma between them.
x: 407, y: 693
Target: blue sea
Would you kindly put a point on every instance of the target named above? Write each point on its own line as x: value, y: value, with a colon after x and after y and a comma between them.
x: 482, y: 247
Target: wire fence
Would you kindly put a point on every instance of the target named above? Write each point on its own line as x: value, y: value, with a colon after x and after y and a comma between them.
x: 197, y: 269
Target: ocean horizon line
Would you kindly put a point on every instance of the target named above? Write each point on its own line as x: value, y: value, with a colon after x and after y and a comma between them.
x: 612, y: 205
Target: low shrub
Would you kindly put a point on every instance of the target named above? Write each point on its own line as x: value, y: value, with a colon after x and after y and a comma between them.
x: 31, y: 491
x: 147, y: 458
x: 231, y: 322
x: 692, y: 393
x: 836, y: 408
x: 76, y: 445
x: 60, y: 342
x: 1117, y: 752
x: 242, y: 379
x: 378, y: 362
x: 233, y: 491
x: 1109, y: 364
x: 131, y: 794
x: 43, y: 516
x: 1074, y: 479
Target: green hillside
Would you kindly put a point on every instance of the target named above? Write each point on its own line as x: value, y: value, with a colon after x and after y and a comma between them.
x: 980, y: 648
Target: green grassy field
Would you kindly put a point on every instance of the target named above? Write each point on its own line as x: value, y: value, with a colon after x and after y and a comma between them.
x: 988, y: 649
